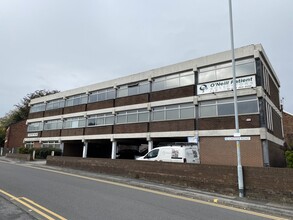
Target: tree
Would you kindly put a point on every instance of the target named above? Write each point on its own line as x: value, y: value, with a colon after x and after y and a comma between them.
x: 20, y: 112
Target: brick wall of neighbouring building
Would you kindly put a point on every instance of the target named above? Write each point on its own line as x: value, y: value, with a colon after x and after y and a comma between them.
x: 15, y: 134
x: 288, y: 129
x: 217, y: 151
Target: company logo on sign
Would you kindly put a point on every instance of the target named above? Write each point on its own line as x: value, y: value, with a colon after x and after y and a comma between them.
x: 226, y: 85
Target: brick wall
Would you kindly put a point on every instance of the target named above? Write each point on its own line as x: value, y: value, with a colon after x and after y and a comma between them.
x: 73, y: 109
x: 288, y: 128
x: 131, y: 100
x: 15, y: 135
x: 273, y: 184
x: 217, y: 151
x: 215, y: 123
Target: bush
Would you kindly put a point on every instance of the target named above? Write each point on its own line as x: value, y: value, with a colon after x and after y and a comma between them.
x: 41, y: 153
x: 289, y: 158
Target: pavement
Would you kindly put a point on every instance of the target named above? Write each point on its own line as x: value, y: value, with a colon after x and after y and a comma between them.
x: 10, y: 210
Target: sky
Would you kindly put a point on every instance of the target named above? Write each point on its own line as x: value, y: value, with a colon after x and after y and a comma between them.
x: 65, y: 44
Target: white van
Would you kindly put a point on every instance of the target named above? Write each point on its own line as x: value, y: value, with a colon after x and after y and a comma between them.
x: 173, y: 153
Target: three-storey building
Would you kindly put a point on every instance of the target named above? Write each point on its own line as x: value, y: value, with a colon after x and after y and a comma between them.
x: 188, y: 101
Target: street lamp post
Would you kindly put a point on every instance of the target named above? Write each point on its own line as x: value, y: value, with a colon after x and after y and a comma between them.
x: 239, y: 166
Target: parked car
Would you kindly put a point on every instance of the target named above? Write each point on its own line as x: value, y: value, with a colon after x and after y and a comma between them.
x: 173, y: 153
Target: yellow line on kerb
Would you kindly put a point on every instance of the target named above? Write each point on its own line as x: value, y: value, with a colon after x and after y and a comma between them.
x: 163, y: 194
x: 31, y: 207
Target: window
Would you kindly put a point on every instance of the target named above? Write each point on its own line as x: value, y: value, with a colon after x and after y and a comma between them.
x: 100, y: 120
x: 76, y: 100
x: 77, y: 122
x: 29, y: 145
x: 132, y: 116
x: 102, y: 95
x: 225, y: 107
x: 133, y: 89
x: 173, y: 112
x: 51, y: 144
x: 173, y: 81
x: 224, y: 71
x: 152, y: 154
x: 55, y: 104
x: 35, y: 126
x: 38, y: 107
x: 52, y: 125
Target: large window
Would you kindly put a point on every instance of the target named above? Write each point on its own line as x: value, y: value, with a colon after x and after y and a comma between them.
x: 224, y: 71
x: 132, y: 116
x: 173, y: 81
x: 76, y: 100
x: 35, y: 126
x: 77, y: 122
x: 133, y: 89
x: 52, y: 125
x: 102, y: 95
x: 29, y: 145
x: 225, y: 107
x: 100, y: 120
x: 38, y: 107
x: 51, y: 144
x: 59, y: 103
x: 173, y: 112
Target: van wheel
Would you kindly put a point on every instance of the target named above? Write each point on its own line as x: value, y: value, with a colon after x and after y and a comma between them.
x: 184, y: 160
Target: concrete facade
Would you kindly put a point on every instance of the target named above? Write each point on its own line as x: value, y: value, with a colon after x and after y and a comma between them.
x: 176, y: 103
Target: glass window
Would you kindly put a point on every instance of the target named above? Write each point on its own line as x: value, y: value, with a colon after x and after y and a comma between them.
x: 52, y: 125
x: 122, y: 91
x: 143, y: 116
x: 38, y: 107
x: 35, y: 126
x: 187, y: 112
x: 76, y: 100
x: 224, y: 71
x: 102, y: 95
x: 55, y: 104
x: 208, y: 111
x: 152, y: 154
x: 225, y: 107
x: 173, y: 81
x: 121, y: 118
x: 77, y: 122
x: 144, y: 87
x: 187, y: 79
x: 100, y: 120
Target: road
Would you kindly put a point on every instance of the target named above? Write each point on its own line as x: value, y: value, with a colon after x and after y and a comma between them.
x: 69, y: 196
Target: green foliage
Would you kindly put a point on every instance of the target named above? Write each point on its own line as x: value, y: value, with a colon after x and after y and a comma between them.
x: 41, y: 153
x: 20, y: 112
x: 289, y: 158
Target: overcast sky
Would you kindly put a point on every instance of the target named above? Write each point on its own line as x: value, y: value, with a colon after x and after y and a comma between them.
x: 64, y: 44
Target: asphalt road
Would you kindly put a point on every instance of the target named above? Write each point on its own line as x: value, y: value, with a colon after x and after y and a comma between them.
x: 77, y: 197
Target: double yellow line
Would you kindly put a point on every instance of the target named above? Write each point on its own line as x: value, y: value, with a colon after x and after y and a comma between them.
x: 42, y: 211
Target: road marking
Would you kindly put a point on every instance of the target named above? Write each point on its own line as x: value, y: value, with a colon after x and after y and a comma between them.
x: 161, y: 193
x: 43, y: 208
x: 158, y: 193
x: 19, y: 200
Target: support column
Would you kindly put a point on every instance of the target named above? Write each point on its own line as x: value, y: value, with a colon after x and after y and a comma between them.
x: 62, y: 147
x: 84, y: 152
x: 150, y: 145
x: 114, y: 149
x: 1, y: 154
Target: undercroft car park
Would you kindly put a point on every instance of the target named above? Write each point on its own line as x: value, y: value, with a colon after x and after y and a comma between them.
x: 189, y: 102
